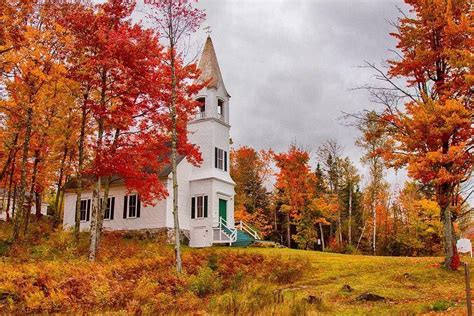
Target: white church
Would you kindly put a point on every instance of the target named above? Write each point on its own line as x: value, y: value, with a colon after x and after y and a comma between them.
x: 206, y: 193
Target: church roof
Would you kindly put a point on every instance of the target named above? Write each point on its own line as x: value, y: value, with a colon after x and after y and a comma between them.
x: 89, y: 180
x: 209, y: 67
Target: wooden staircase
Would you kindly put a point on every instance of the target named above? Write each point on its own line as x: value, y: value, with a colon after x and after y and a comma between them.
x: 241, y: 236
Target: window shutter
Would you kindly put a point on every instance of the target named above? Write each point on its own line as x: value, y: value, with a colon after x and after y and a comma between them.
x: 112, y: 207
x: 125, y: 199
x: 216, y: 152
x: 139, y: 205
x: 225, y: 160
x: 205, y: 206
x: 193, y: 208
x: 88, y: 215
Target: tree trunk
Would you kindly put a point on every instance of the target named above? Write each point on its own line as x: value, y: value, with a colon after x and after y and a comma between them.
x: 59, y: 188
x: 32, y: 192
x: 20, y: 214
x: 361, y: 234
x: 94, y: 218
x: 11, y: 156
x: 10, y: 185
x: 80, y: 166
x: 38, y: 204
x: 103, y: 206
x: 174, y: 143
x: 374, y: 224
x: 288, y: 230
x: 349, y: 233
x: 446, y: 217
x: 322, y: 236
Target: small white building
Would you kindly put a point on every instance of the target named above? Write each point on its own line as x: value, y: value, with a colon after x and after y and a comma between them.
x: 206, y: 193
x: 4, y: 205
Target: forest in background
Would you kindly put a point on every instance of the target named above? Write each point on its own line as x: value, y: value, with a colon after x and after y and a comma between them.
x: 76, y: 98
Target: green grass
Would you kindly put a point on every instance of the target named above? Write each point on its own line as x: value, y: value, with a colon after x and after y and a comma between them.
x: 410, y: 285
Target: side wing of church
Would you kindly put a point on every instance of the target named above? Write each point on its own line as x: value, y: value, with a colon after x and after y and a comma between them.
x: 206, y: 193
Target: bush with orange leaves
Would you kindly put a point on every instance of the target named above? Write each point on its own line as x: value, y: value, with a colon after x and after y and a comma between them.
x: 131, y: 276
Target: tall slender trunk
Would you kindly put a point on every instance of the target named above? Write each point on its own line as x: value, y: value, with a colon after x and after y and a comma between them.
x: 174, y: 143
x: 339, y: 226
x: 11, y: 156
x: 10, y: 185
x: 94, y: 218
x: 374, y: 224
x: 20, y: 214
x: 14, y: 201
x: 444, y: 201
x: 96, y: 205
x: 288, y: 230
x: 361, y: 234
x: 322, y: 236
x: 103, y: 206
x: 349, y: 233
x: 32, y: 192
x: 80, y: 167
x: 38, y: 204
x: 59, y: 188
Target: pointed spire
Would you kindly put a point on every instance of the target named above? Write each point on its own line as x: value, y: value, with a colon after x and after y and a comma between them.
x: 209, y: 67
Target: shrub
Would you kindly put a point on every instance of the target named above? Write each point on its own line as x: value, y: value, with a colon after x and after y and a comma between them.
x: 205, y: 282
x: 286, y: 271
x: 440, y: 306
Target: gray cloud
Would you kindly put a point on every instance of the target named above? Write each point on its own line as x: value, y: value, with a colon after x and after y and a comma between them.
x: 290, y: 66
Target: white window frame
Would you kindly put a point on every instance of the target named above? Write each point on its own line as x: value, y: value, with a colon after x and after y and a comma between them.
x: 129, y: 204
x: 199, y: 208
x: 85, y: 211
x: 220, y: 109
x: 220, y: 157
x: 107, y: 206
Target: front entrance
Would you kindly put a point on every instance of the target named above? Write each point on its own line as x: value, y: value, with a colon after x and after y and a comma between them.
x: 223, y: 209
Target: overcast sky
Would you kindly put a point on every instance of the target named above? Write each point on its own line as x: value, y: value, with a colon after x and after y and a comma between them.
x: 290, y: 66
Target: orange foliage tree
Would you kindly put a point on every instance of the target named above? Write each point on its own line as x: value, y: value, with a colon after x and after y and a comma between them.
x: 250, y: 170
x: 433, y: 135
x: 295, y: 185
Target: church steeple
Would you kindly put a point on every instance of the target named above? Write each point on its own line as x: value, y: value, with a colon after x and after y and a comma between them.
x: 209, y: 67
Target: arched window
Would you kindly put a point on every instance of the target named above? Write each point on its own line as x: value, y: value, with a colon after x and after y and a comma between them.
x: 202, y: 107
x: 220, y: 109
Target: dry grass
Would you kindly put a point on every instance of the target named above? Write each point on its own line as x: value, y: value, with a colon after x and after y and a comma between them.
x: 137, y: 276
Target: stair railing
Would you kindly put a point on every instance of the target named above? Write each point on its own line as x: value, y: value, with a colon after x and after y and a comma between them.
x: 223, y: 226
x: 241, y: 225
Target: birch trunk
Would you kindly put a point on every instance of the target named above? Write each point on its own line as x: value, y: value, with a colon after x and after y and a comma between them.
x: 94, y: 218
x: 350, y: 216
x: 322, y: 236
x: 174, y: 143
x: 20, y: 214
x: 59, y: 189
x: 77, y: 224
x: 288, y: 230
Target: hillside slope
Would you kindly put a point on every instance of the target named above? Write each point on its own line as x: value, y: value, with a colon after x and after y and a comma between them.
x: 132, y: 276
x: 410, y: 285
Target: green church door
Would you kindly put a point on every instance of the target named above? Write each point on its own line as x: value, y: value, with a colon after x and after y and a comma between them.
x: 223, y: 209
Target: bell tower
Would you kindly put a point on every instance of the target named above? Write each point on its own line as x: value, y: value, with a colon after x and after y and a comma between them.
x: 211, y: 187
x: 210, y: 129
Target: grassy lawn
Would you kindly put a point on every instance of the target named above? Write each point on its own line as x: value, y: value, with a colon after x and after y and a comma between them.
x: 132, y: 276
x: 410, y: 285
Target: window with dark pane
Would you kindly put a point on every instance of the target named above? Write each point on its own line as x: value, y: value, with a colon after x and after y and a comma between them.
x: 132, y: 206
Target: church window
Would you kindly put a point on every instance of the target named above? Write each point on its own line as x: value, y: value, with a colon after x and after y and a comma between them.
x: 202, y: 107
x: 131, y: 206
x: 220, y: 109
x: 220, y: 159
x: 199, y: 205
x: 109, y: 208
